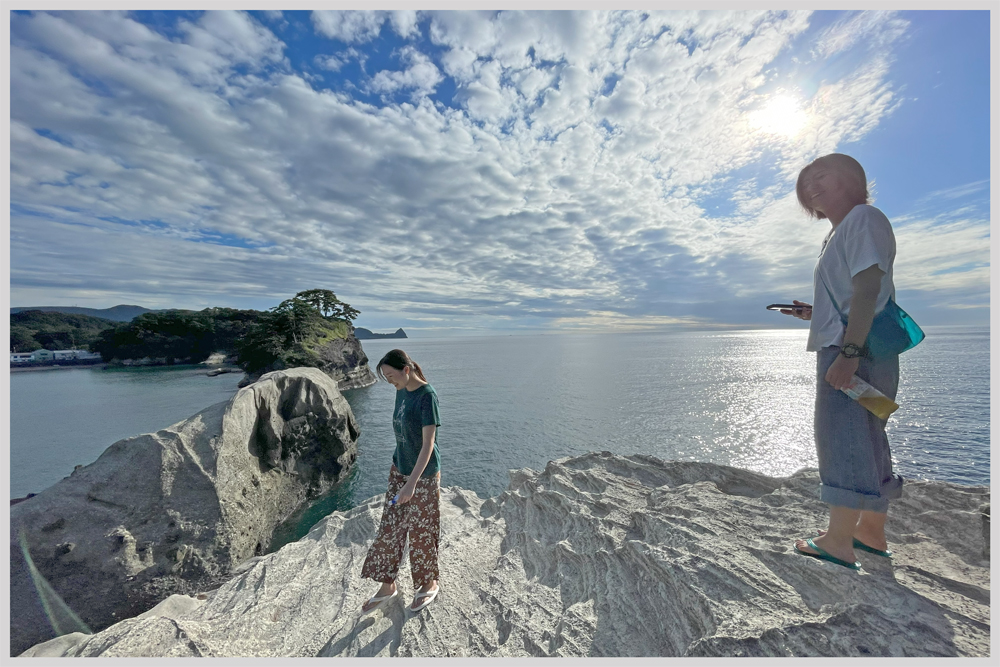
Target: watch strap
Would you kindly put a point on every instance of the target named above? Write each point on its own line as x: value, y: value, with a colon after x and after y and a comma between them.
x: 852, y: 351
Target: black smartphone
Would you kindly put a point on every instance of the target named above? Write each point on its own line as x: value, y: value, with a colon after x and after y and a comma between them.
x: 785, y: 306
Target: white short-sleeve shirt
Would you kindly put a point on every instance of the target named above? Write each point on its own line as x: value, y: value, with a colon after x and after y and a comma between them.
x: 862, y: 239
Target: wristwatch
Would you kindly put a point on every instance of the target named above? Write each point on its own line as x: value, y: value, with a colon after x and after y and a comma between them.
x: 852, y: 351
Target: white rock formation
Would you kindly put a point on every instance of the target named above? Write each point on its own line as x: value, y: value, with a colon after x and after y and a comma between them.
x: 173, y: 511
x: 604, y: 555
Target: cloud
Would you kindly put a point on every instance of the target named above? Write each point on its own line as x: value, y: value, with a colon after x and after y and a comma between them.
x: 944, y: 256
x: 958, y: 192
x: 349, y: 26
x: 874, y: 29
x: 421, y: 75
x: 233, y: 36
x: 328, y: 62
x: 564, y: 183
x: 358, y: 26
x: 404, y: 22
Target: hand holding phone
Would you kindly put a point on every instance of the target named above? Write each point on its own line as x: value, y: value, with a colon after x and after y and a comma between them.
x: 798, y: 309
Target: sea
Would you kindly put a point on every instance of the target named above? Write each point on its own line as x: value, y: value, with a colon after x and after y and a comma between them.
x: 738, y: 398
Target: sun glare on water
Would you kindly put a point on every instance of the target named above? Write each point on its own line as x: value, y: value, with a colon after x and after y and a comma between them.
x: 781, y: 116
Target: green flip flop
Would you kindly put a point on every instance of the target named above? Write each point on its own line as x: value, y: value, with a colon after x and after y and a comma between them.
x: 822, y: 555
x: 858, y: 544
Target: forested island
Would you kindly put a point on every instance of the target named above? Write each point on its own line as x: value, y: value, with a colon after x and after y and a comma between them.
x: 285, y: 336
x: 288, y: 335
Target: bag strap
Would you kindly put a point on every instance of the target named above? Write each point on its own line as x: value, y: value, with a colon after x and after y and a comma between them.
x: 826, y: 242
x: 839, y: 311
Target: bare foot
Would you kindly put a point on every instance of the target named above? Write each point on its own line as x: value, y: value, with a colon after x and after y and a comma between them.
x: 387, y: 589
x: 823, y: 543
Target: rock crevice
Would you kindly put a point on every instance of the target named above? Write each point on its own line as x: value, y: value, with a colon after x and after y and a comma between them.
x: 174, y: 511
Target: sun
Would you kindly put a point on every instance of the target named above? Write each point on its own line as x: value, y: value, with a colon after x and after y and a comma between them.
x: 782, y: 116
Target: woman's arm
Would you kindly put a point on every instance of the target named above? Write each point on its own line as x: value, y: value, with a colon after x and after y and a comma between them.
x: 426, y: 449
x: 866, y: 285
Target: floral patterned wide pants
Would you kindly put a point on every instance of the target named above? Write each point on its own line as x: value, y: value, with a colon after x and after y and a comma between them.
x: 421, y: 519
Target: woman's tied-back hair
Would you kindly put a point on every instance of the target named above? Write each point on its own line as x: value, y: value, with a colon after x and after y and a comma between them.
x: 399, y: 360
x: 843, y: 164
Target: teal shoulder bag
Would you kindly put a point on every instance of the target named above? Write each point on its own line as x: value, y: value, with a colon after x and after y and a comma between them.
x: 893, y: 330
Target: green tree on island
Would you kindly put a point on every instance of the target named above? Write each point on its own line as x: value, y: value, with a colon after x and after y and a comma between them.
x: 327, y: 303
x: 290, y: 334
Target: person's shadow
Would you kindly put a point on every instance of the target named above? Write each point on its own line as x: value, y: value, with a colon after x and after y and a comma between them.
x: 350, y: 644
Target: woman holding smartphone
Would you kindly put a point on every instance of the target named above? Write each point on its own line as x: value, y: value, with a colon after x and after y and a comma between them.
x: 853, y: 274
x: 413, y: 502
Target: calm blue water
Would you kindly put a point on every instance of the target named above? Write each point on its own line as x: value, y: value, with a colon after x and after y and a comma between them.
x: 64, y: 417
x: 740, y: 398
x: 736, y: 398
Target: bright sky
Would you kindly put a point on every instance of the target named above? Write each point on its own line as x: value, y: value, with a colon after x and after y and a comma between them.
x: 483, y: 172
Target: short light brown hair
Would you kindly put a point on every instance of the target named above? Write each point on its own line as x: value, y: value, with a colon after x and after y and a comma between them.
x: 844, y: 164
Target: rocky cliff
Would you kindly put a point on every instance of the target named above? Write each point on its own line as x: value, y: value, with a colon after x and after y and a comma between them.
x: 174, y: 511
x: 345, y: 361
x: 342, y: 359
x: 604, y: 555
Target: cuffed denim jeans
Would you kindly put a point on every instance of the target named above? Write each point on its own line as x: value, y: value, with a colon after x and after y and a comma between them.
x: 855, y: 464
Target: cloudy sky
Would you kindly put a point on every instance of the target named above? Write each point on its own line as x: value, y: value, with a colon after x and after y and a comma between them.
x: 469, y: 172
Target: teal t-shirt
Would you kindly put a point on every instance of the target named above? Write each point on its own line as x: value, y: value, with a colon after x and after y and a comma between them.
x: 414, y: 410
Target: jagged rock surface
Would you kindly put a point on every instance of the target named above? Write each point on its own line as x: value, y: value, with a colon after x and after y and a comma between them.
x: 343, y: 359
x: 604, y: 555
x: 174, y: 511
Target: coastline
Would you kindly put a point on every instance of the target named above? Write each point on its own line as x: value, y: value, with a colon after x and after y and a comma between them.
x: 102, y: 366
x: 54, y: 367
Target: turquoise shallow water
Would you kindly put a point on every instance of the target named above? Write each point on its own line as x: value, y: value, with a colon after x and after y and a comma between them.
x: 741, y: 398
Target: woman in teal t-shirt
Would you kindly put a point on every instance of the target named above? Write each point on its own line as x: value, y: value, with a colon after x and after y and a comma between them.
x: 413, y: 501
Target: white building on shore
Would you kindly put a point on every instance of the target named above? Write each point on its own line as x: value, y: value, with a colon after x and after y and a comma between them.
x: 51, y: 355
x: 74, y: 354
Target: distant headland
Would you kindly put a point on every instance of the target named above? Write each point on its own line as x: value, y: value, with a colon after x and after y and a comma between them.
x: 126, y: 313
x: 120, y: 313
x: 364, y: 334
